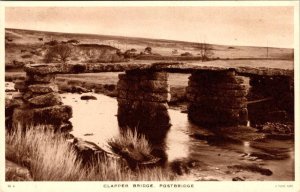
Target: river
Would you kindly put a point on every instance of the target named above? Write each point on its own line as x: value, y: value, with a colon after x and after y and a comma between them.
x: 96, y: 121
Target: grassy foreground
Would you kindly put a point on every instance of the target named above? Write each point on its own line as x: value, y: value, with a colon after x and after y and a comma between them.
x: 49, y: 157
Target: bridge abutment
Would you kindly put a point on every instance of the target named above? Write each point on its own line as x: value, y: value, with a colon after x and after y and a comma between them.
x: 41, y: 103
x: 142, y: 103
x: 217, y: 98
x: 280, y: 92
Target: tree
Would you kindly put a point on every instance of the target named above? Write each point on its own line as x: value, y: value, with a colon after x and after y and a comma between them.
x: 206, y: 51
x: 60, y: 53
x: 148, y: 50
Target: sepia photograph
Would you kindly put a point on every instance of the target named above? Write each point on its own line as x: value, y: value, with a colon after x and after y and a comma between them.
x: 154, y: 96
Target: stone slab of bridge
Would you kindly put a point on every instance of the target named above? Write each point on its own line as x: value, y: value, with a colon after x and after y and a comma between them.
x: 216, y: 94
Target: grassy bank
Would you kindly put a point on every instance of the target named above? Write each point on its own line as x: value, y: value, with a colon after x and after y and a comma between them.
x: 50, y: 157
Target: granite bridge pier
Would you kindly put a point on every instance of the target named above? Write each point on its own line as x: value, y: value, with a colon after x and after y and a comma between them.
x: 216, y: 94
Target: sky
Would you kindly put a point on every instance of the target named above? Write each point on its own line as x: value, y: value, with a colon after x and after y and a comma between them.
x: 249, y: 26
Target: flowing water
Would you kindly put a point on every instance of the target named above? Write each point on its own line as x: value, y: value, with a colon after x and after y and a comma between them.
x: 96, y: 121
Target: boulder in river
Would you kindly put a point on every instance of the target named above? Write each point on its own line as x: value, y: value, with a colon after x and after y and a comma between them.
x: 88, y: 97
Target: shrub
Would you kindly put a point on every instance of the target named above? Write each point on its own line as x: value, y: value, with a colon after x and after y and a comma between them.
x: 148, y: 50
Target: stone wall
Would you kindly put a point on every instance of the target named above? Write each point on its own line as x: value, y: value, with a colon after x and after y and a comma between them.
x: 142, y: 103
x: 41, y: 103
x: 217, y: 98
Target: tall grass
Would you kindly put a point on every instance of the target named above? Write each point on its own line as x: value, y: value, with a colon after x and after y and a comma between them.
x: 49, y: 157
x: 131, y: 140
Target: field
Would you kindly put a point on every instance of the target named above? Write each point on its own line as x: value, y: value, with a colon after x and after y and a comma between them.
x: 25, y: 46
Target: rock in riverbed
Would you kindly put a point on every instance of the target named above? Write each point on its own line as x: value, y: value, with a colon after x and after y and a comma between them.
x: 88, y: 97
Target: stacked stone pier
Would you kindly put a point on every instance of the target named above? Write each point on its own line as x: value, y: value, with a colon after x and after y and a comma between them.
x: 217, y: 98
x: 142, y: 101
x: 41, y: 103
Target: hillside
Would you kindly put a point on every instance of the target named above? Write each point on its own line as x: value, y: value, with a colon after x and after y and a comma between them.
x: 27, y: 46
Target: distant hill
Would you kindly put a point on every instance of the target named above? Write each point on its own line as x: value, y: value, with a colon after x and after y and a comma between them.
x: 28, y: 46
